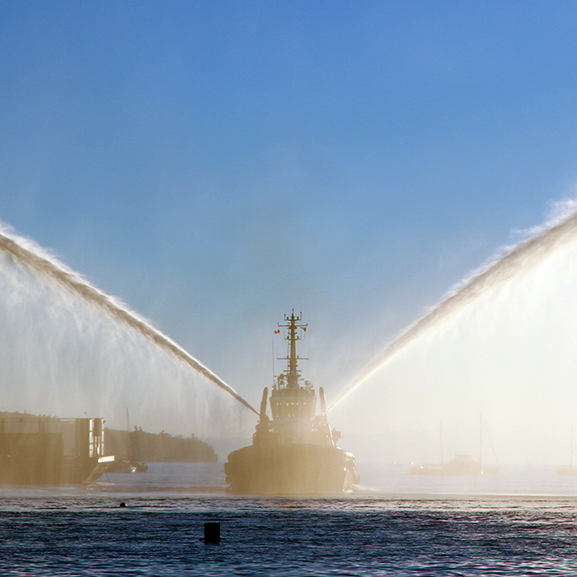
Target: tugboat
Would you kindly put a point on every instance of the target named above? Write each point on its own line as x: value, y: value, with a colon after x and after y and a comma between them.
x: 295, y: 452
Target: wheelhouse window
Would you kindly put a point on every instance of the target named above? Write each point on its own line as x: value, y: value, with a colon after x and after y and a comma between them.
x: 283, y: 409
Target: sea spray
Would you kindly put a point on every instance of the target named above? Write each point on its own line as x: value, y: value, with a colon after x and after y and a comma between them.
x: 559, y: 230
x: 508, y: 354
x: 61, y: 356
x: 25, y: 255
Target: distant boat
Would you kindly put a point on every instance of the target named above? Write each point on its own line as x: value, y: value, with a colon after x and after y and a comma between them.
x: 127, y: 465
x: 568, y: 469
x: 461, y: 464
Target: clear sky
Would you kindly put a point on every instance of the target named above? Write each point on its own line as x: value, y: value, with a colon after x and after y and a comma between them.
x: 216, y: 163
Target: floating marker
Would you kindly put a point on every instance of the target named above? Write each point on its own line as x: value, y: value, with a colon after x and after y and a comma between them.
x: 212, y: 532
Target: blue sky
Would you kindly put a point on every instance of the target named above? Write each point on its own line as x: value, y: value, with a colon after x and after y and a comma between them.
x: 215, y: 164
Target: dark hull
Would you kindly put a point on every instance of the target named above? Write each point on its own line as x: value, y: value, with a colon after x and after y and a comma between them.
x: 127, y: 466
x: 290, y: 469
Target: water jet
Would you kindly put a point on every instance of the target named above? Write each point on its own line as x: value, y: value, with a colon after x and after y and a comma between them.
x: 525, y: 255
x: 23, y: 254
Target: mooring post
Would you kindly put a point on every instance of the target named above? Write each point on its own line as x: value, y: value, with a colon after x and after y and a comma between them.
x: 212, y: 532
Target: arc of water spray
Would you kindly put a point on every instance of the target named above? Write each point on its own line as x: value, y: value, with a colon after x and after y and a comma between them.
x: 33, y: 261
x: 543, y: 242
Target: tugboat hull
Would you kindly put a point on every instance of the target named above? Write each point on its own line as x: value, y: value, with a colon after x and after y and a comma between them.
x: 290, y: 469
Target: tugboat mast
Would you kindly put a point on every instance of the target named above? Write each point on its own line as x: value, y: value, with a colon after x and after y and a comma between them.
x: 293, y: 373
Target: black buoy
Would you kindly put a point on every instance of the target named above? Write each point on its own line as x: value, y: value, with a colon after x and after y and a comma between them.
x: 212, y: 532
x: 123, y: 504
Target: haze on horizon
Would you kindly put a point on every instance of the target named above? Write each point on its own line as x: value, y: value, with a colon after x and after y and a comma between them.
x: 215, y: 166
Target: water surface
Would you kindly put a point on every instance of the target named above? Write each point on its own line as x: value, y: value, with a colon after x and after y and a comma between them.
x: 522, y: 521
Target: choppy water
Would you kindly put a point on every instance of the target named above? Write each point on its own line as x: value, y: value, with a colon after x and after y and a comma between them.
x: 522, y: 521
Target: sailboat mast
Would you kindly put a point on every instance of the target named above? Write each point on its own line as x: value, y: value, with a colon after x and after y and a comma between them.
x: 441, y: 439
x: 571, y: 466
x: 481, y: 438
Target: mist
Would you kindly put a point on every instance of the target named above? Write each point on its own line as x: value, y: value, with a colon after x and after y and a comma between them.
x: 63, y: 356
x: 507, y: 353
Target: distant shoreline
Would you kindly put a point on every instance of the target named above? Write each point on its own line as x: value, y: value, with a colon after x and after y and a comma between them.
x: 138, y: 445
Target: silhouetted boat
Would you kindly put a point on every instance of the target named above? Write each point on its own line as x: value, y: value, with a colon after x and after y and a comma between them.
x: 48, y: 450
x: 460, y: 464
x: 128, y: 465
x: 568, y: 469
x: 295, y: 452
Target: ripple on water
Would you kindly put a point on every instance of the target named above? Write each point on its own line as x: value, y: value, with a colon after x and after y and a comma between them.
x: 83, y: 531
